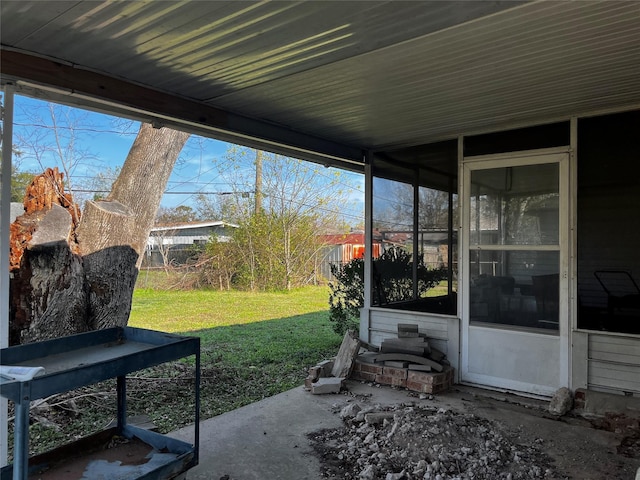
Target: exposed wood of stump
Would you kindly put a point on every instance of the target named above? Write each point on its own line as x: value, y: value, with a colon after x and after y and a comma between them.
x: 47, y: 285
x: 109, y: 265
x: 43, y: 192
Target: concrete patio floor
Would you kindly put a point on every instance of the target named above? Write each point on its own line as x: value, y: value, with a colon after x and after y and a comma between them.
x: 268, y: 439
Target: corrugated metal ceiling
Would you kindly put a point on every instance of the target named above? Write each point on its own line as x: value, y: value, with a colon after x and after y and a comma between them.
x: 367, y: 74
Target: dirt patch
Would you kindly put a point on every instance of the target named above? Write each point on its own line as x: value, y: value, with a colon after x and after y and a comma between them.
x: 484, y: 439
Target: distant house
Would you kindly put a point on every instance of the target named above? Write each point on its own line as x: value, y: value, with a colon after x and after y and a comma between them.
x: 342, y: 248
x: 174, y: 244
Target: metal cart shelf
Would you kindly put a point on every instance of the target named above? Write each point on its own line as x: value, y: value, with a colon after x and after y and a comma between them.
x: 74, y: 361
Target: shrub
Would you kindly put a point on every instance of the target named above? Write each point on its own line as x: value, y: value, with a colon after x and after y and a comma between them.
x: 392, y: 283
x: 347, y: 295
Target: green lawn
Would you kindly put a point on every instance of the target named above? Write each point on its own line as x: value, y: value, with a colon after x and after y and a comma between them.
x: 253, y: 345
x: 194, y: 310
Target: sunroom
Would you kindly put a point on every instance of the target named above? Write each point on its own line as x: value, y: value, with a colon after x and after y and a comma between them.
x: 532, y: 233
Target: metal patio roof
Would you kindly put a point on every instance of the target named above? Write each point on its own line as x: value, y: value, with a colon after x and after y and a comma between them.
x: 328, y: 80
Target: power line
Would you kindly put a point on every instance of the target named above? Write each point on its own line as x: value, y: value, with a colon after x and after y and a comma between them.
x: 77, y: 190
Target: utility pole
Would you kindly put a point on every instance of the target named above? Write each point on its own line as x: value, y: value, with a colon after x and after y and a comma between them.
x: 258, y: 192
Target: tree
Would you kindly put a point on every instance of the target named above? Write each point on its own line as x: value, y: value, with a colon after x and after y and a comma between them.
x: 219, y: 263
x: 174, y: 215
x: 54, y: 133
x: 19, y: 182
x: 100, y: 184
x: 280, y: 214
x: 218, y: 207
x: 72, y: 273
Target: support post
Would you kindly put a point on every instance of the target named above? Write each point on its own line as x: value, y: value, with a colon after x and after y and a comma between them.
x: 122, y: 403
x: 5, y: 209
x: 21, y: 433
x: 365, y: 316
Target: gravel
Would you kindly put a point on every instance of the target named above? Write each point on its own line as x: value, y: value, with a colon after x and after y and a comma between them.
x: 411, y: 441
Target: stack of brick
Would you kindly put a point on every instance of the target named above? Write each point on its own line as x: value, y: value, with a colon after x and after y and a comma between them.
x: 414, y: 380
x: 408, y: 362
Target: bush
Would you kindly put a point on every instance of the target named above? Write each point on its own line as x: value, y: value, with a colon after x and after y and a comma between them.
x: 347, y: 295
x: 393, y: 273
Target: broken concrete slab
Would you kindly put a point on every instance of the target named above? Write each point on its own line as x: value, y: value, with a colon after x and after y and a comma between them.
x: 376, y: 418
x: 436, y: 355
x: 325, y: 367
x: 327, y: 385
x: 347, y: 354
x: 409, y: 358
x: 396, y: 364
x: 419, y: 368
x: 367, y: 357
x: 408, y: 349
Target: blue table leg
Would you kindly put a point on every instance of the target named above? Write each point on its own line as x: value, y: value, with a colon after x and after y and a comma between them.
x: 21, y: 434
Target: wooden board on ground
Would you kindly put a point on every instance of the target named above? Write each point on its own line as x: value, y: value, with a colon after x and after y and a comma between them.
x: 383, y: 357
x: 346, y: 355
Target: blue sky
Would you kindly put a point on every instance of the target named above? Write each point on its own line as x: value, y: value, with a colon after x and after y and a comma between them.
x: 101, y: 143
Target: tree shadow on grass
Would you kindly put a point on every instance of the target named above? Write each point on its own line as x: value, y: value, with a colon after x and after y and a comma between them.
x: 245, y: 363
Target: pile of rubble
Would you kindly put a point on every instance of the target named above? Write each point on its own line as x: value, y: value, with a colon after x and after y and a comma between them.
x: 410, y: 442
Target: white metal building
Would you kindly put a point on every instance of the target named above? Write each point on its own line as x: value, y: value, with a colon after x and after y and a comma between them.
x: 175, y: 243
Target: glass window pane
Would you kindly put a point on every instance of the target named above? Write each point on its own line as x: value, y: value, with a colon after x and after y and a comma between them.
x: 392, y: 221
x: 608, y: 231
x: 414, y: 200
x: 515, y: 288
x: 515, y: 205
x: 436, y: 243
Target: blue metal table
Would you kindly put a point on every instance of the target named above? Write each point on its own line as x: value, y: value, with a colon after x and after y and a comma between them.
x: 77, y: 360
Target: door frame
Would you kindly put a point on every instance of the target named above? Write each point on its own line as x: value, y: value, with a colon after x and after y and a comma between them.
x: 563, y: 156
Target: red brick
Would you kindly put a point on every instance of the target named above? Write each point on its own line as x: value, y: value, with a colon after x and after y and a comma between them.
x: 395, y: 372
x: 419, y: 387
x: 422, y: 377
x: 314, y: 372
x: 430, y: 382
x: 389, y: 380
x: 364, y: 376
x: 308, y: 382
x: 371, y: 369
x: 441, y: 388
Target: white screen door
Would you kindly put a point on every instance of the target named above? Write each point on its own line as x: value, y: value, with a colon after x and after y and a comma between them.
x: 515, y: 227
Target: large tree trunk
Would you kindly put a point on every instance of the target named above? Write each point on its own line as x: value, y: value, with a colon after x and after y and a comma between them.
x: 69, y: 277
x: 113, y: 233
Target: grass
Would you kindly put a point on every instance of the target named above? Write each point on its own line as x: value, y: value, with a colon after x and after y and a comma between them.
x: 253, y: 345
x: 196, y: 310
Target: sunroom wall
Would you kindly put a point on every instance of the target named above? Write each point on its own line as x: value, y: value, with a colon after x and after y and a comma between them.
x: 605, y: 361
